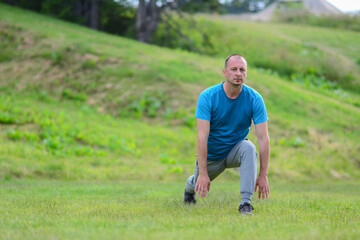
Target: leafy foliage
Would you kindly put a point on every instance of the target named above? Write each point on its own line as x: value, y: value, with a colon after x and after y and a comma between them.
x: 117, y: 17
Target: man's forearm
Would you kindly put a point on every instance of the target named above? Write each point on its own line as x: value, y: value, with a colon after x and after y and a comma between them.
x: 201, y: 149
x: 264, y: 149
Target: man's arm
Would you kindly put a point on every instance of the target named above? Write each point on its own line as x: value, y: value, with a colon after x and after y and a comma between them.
x: 262, y: 135
x: 203, y: 182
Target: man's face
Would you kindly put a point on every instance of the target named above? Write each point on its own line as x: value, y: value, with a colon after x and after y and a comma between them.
x: 235, y: 72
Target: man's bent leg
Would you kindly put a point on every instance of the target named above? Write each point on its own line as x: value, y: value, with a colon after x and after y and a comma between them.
x: 243, y: 154
x: 214, y: 169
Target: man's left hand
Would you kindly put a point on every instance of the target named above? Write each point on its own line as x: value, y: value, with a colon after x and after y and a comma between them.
x: 262, y: 182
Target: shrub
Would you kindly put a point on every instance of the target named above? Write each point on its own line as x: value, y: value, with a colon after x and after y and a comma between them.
x: 149, y: 104
x: 292, y: 142
x: 53, y: 143
x: 178, y: 170
x: 32, y: 137
x: 14, y: 134
x: 56, y: 57
x: 6, y: 118
x: 69, y: 94
x: 358, y: 61
x: 164, y: 158
x: 88, y: 63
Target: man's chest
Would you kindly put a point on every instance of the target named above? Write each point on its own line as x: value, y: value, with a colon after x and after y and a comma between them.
x: 236, y: 114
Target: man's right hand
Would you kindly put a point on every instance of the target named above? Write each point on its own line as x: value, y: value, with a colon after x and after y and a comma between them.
x: 202, y: 185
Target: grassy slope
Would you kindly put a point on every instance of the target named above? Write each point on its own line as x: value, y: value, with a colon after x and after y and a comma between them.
x: 285, y: 48
x: 313, y: 136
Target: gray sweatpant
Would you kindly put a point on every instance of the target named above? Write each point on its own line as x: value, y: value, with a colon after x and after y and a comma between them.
x: 242, y: 155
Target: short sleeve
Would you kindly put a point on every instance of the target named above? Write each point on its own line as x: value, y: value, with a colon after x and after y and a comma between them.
x: 203, y: 109
x: 259, y: 110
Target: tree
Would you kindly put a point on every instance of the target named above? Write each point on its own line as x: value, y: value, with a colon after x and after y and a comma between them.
x: 237, y: 6
x: 88, y: 10
x: 34, y: 5
x: 151, y: 12
x: 147, y: 19
x: 80, y: 11
x: 117, y: 18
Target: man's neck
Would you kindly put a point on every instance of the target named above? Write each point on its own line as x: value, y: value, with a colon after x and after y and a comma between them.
x: 232, y: 91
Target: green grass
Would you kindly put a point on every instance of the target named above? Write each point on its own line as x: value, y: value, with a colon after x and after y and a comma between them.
x: 152, y: 210
x: 67, y: 140
x: 70, y: 140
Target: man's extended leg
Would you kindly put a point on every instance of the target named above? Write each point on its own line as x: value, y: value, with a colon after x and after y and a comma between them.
x: 214, y: 168
x: 243, y: 154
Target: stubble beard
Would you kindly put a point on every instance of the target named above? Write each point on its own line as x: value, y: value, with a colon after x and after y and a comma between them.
x: 236, y: 84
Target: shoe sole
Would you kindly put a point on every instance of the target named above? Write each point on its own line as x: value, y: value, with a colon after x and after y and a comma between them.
x: 246, y: 213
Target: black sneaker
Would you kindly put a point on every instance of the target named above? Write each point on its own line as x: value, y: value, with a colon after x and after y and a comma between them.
x: 246, y: 208
x: 189, y: 198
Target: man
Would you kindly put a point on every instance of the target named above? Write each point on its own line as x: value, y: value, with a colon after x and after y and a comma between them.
x: 224, y: 114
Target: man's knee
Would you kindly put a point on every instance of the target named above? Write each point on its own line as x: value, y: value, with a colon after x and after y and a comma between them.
x: 248, y: 160
x: 249, y: 148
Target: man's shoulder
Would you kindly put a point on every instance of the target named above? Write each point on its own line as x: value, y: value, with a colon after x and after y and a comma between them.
x: 252, y: 93
x: 210, y: 91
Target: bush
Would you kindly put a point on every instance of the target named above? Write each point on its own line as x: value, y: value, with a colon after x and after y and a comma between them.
x: 56, y: 57
x: 69, y: 94
x: 6, y: 118
x: 14, y: 134
x: 149, y: 104
x: 88, y: 63
x: 31, y: 137
x: 292, y: 142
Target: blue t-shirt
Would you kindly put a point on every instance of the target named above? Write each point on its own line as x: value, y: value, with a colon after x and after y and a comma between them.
x: 230, y: 119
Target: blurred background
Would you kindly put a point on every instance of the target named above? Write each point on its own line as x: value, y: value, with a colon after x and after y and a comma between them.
x: 107, y: 89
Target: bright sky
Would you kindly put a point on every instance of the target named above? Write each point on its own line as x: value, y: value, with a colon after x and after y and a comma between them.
x: 346, y: 5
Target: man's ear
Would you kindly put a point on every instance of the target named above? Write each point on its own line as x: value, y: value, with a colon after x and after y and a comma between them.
x: 223, y: 71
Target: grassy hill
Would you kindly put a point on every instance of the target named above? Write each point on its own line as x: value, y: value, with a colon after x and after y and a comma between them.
x: 291, y: 50
x: 80, y: 104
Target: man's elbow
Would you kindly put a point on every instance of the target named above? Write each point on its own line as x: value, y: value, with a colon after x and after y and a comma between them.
x: 264, y: 140
x: 202, y: 137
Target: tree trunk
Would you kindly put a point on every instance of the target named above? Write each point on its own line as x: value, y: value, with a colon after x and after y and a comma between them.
x: 140, y: 20
x: 10, y: 2
x: 146, y: 20
x: 79, y: 8
x: 88, y: 10
x: 94, y: 14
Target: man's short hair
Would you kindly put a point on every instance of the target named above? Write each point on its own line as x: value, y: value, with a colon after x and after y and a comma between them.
x: 232, y: 55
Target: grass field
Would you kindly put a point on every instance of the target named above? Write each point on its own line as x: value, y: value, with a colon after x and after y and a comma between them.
x: 153, y: 210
